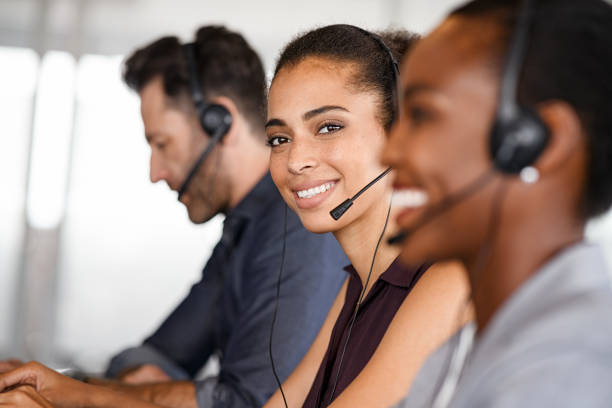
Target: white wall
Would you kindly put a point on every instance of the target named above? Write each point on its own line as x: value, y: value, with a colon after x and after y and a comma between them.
x: 117, y: 26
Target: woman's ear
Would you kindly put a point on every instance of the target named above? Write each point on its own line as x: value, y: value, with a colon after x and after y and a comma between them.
x: 565, y: 132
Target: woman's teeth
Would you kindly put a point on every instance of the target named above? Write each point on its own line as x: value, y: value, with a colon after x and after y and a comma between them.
x: 409, y: 198
x: 311, y: 192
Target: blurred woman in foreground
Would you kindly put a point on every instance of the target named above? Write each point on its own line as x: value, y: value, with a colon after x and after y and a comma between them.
x: 541, y: 293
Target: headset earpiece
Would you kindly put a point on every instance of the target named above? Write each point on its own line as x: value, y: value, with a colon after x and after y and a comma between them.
x: 215, y: 118
x: 518, y: 135
x: 517, y: 143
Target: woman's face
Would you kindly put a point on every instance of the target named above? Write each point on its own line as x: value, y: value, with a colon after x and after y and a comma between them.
x: 440, y: 143
x: 326, y: 139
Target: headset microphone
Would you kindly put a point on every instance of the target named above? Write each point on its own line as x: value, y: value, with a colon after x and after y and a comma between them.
x: 214, y: 119
x: 337, y: 212
x: 196, y: 166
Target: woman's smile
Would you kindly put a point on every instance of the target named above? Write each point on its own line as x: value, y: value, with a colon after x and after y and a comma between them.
x: 311, y: 194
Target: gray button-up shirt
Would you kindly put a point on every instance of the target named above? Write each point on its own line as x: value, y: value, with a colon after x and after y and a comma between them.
x: 549, y: 345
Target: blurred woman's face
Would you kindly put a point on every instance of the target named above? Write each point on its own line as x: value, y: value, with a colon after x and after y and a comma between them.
x: 440, y: 143
x: 326, y: 140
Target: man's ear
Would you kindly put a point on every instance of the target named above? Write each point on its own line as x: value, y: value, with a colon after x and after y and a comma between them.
x: 231, y: 137
x: 566, y: 135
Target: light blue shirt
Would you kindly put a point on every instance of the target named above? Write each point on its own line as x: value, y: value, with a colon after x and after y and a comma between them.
x: 549, y: 345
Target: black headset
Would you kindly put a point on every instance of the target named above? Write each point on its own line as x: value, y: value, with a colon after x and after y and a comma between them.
x: 340, y: 209
x: 518, y: 135
x: 337, y: 212
x: 214, y: 119
x: 394, y: 68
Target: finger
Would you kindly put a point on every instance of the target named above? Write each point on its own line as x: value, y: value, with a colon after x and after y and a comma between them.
x: 24, y: 375
x: 35, y: 396
x: 23, y: 397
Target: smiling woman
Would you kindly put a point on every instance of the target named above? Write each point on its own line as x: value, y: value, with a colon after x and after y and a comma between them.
x: 541, y: 294
x: 331, y: 103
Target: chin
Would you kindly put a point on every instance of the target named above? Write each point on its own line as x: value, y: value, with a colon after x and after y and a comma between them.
x: 198, y: 216
x: 196, y: 220
x: 318, y: 223
x: 416, y: 250
x: 408, y: 258
x: 428, y: 247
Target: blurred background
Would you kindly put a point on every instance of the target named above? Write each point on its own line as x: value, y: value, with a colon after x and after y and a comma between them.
x: 92, y: 255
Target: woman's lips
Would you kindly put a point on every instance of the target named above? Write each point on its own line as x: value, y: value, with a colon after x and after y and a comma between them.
x: 311, y: 195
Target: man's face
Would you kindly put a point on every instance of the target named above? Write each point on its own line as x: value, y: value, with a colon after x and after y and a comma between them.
x: 176, y: 142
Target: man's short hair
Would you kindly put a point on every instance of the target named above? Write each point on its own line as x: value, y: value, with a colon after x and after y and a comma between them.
x: 226, y: 63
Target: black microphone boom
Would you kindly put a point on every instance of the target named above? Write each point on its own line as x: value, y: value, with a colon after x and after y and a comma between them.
x: 337, y: 212
x: 196, y: 166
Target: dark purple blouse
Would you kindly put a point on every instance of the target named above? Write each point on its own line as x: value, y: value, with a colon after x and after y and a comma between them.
x: 375, y: 315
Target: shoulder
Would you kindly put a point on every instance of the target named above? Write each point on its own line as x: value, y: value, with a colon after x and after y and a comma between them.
x: 269, y: 231
x: 558, y: 353
x: 578, y: 321
x: 309, y: 259
x: 565, y: 377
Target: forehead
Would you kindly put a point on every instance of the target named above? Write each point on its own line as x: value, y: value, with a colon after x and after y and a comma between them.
x: 459, y: 50
x: 313, y: 69
x: 314, y: 80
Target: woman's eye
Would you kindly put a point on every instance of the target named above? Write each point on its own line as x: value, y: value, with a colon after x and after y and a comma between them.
x: 329, y: 128
x: 277, y: 141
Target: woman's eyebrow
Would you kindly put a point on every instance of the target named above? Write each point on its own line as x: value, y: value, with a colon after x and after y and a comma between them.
x: 312, y: 113
x: 274, y: 122
x: 306, y: 116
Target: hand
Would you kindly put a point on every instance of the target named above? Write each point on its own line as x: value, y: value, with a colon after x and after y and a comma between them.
x: 51, y: 385
x: 23, y: 397
x: 8, y: 365
x: 147, y: 373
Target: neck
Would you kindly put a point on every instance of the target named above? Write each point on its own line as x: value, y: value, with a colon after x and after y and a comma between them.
x: 359, y: 239
x: 519, y: 250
